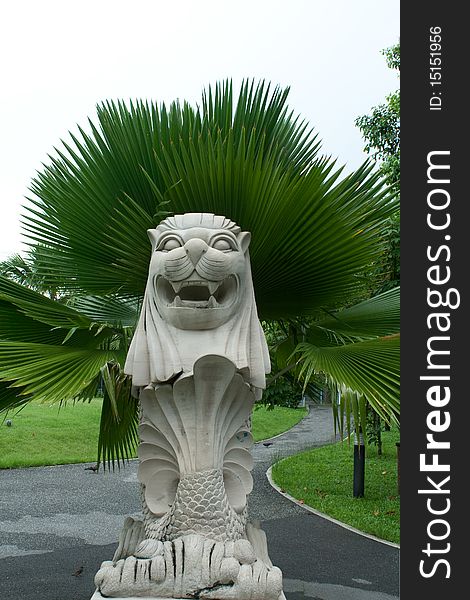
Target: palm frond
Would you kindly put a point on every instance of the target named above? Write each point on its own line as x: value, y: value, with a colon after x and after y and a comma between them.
x: 113, y: 310
x: 252, y: 160
x: 376, y: 317
x: 16, y: 326
x: 40, y: 308
x: 17, y: 268
x: 11, y: 398
x: 369, y: 368
x: 118, y: 435
x: 52, y: 373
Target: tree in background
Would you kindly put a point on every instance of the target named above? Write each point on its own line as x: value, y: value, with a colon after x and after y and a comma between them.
x: 27, y: 271
x: 381, y: 131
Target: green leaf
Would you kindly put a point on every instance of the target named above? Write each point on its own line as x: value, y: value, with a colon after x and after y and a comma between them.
x: 376, y: 317
x: 370, y: 368
x: 112, y: 310
x: 40, y: 308
x: 118, y: 435
x: 16, y: 326
x: 11, y: 398
x: 51, y: 373
x: 109, y: 384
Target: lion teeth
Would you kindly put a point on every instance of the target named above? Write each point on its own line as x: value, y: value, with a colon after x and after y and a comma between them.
x: 177, y: 301
x: 212, y: 285
x: 212, y: 302
x: 176, y: 285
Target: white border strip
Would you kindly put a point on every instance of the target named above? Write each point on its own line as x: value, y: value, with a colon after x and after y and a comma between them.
x: 323, y: 515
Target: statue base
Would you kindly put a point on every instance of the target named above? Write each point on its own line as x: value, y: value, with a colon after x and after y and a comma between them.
x: 98, y: 596
x: 193, y: 566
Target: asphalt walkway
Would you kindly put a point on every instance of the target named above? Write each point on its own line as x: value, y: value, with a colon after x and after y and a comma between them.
x: 57, y: 524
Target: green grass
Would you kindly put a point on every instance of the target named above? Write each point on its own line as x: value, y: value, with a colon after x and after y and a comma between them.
x: 268, y: 423
x: 44, y: 435
x: 323, y: 479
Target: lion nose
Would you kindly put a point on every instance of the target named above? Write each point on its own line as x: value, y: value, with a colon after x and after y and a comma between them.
x: 195, y: 249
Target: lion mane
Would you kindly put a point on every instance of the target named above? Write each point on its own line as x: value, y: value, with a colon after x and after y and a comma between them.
x: 160, y: 351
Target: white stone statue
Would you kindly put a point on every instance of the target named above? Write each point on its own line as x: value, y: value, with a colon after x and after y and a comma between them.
x: 198, y: 361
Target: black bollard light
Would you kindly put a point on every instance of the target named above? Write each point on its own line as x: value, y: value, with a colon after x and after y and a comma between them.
x: 359, y: 465
x: 398, y: 467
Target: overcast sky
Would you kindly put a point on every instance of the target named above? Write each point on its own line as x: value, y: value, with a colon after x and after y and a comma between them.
x: 60, y: 58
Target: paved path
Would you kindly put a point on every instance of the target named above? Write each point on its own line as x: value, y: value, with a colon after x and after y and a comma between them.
x: 58, y: 523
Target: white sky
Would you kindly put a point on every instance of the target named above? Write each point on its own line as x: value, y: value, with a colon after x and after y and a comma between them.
x: 60, y: 58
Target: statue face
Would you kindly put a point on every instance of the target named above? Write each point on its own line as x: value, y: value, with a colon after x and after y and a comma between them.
x: 198, y: 275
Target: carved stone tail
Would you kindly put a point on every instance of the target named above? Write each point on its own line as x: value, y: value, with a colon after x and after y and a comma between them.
x: 200, y: 507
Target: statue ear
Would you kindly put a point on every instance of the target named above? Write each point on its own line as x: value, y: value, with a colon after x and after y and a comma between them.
x: 244, y: 239
x: 153, y: 236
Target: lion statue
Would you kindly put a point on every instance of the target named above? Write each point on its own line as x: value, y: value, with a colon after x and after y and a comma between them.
x: 198, y: 362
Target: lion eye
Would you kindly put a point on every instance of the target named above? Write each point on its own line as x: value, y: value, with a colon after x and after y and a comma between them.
x: 222, y: 244
x: 171, y: 244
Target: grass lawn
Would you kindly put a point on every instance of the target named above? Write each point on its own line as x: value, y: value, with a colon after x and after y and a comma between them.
x: 44, y: 435
x: 323, y: 479
x: 268, y: 423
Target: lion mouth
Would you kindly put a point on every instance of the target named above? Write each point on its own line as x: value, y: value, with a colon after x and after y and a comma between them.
x: 197, y: 293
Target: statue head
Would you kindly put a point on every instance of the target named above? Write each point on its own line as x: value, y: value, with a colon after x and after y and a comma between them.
x: 199, y: 300
x: 198, y: 270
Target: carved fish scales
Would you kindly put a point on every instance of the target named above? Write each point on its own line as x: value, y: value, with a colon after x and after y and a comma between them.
x: 200, y: 507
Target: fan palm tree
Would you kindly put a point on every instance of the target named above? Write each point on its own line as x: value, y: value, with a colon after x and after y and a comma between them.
x: 315, y: 235
x: 27, y: 270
